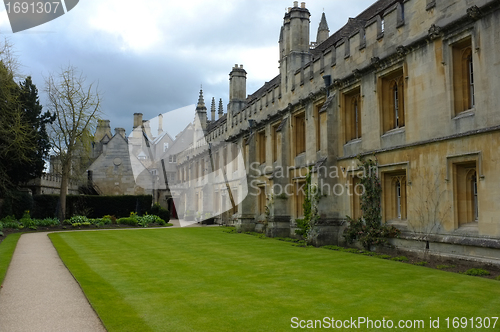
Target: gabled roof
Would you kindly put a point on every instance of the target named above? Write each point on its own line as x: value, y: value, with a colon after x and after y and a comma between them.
x: 159, y: 138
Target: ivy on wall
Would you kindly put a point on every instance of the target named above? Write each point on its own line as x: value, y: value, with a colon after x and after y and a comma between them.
x: 311, y: 213
x: 369, y: 230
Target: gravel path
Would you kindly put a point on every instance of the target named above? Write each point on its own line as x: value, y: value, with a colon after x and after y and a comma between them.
x: 39, y: 294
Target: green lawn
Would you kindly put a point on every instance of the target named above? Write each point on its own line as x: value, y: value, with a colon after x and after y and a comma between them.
x: 7, y: 248
x: 203, y: 279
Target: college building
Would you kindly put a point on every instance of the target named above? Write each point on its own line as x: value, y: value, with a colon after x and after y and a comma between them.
x: 410, y: 83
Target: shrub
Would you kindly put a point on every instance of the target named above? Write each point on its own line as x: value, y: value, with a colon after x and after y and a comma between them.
x: 78, y: 219
x: 159, y: 211
x: 287, y: 239
x: 107, y: 219
x: 497, y: 278
x: 10, y: 222
x: 422, y: 263
x: 400, y: 259
x: 443, y: 267
x: 369, y: 230
x: 143, y: 222
x: 16, y: 203
x: 45, y: 206
x: 382, y: 256
x: 477, y: 272
x: 152, y: 219
x: 329, y: 247
x: 310, y: 206
x: 47, y: 222
x: 303, y: 227
x: 228, y: 229
x: 27, y: 222
x: 93, y: 206
x: 127, y: 221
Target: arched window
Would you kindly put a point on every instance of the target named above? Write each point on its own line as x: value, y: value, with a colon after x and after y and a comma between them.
x: 392, y: 100
x: 463, y: 76
x: 394, y: 196
x: 352, y: 115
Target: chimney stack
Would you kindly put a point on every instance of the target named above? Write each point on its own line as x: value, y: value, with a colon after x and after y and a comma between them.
x: 294, y: 42
x: 147, y: 128
x: 160, y: 124
x: 120, y: 131
x: 102, y: 129
x: 137, y: 119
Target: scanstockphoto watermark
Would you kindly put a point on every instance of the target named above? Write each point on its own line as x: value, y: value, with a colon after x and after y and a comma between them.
x: 26, y: 14
x: 330, y: 172
x: 362, y: 323
x: 323, y: 186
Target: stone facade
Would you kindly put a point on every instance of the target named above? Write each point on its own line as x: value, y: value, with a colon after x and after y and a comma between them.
x: 139, y: 164
x: 411, y: 82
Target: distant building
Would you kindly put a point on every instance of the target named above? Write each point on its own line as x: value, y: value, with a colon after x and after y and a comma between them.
x: 132, y: 165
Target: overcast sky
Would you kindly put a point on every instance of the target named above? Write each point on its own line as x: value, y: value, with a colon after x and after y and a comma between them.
x: 152, y: 56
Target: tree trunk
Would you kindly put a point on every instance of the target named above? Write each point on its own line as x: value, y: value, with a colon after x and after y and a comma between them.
x: 63, y: 191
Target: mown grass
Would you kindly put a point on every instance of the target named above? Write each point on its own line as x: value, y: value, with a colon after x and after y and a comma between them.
x: 7, y: 247
x: 203, y: 279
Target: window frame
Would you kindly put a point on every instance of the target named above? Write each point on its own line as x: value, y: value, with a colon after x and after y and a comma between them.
x: 392, y: 108
x: 464, y: 97
x: 300, y: 129
x: 352, y: 114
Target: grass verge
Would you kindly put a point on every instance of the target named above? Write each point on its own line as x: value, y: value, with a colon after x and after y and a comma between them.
x: 7, y: 247
x: 203, y: 279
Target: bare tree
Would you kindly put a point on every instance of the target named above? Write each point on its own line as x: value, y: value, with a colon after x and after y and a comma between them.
x: 430, y: 208
x: 10, y: 60
x: 76, y: 106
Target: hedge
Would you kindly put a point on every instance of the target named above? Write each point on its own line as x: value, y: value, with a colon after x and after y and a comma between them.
x: 15, y: 203
x: 92, y: 206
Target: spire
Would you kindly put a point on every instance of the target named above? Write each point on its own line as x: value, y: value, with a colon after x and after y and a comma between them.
x: 212, y: 109
x: 221, y: 109
x: 323, y: 31
x: 201, y: 104
x: 323, y: 25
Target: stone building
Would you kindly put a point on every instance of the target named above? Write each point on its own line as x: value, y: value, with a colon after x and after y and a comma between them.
x: 411, y: 82
x: 133, y: 165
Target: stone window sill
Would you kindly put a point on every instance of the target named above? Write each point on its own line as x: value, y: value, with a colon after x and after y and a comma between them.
x: 394, y: 131
x: 465, y: 114
x: 354, y: 141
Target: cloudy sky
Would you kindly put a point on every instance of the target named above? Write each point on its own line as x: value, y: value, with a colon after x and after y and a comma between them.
x: 152, y: 56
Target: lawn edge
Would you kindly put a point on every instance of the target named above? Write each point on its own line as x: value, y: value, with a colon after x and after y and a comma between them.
x: 7, y: 246
x: 75, y: 269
